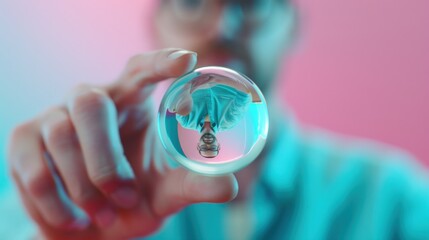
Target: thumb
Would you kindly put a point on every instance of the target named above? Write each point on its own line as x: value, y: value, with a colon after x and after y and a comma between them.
x: 180, y: 188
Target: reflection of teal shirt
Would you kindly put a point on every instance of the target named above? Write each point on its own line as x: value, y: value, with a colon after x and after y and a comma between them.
x: 224, y: 105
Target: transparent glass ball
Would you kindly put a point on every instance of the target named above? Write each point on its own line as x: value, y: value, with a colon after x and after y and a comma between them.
x: 213, y: 121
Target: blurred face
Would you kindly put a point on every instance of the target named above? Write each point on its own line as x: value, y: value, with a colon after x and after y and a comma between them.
x: 208, y: 145
x: 246, y: 35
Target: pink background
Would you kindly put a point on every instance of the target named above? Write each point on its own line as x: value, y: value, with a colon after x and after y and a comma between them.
x: 360, y: 67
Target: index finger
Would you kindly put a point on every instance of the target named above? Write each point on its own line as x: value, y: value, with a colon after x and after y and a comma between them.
x: 144, y: 70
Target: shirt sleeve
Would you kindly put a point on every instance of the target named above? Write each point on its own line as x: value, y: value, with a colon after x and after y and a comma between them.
x: 415, y: 205
x: 233, y: 105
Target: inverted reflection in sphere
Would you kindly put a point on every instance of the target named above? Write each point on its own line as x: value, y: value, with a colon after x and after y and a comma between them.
x: 213, y: 121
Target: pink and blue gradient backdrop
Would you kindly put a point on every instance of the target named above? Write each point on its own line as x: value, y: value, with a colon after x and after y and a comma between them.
x: 360, y: 67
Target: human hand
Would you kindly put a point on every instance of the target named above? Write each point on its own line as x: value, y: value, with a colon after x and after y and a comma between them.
x: 80, y: 167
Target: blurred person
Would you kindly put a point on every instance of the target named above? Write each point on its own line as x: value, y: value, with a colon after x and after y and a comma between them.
x: 79, y: 166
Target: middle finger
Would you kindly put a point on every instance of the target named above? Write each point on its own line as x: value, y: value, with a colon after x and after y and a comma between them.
x: 94, y: 117
x: 61, y: 142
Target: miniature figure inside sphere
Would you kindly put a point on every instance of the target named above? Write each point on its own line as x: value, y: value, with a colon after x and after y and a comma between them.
x: 213, y: 121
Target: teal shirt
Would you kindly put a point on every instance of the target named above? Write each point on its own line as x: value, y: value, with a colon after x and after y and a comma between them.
x: 224, y: 105
x: 314, y: 185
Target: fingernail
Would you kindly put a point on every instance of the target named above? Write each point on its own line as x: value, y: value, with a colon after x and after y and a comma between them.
x: 105, y: 217
x: 125, y: 197
x: 179, y: 53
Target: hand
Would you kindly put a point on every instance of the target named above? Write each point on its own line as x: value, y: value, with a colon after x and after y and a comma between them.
x: 80, y: 167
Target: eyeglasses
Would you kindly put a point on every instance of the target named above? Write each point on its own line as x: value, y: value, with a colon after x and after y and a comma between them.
x: 203, y: 13
x: 214, y: 148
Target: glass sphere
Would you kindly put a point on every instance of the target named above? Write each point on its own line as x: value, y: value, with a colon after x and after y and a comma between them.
x: 213, y: 121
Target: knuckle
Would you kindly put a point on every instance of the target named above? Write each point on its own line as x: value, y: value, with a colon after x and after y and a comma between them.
x: 88, y: 100
x: 22, y: 130
x: 135, y: 65
x: 59, y: 133
x: 103, y: 175
x: 40, y: 182
x: 82, y: 195
x: 136, y: 59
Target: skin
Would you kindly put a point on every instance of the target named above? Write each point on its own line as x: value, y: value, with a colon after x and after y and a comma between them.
x: 92, y: 147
